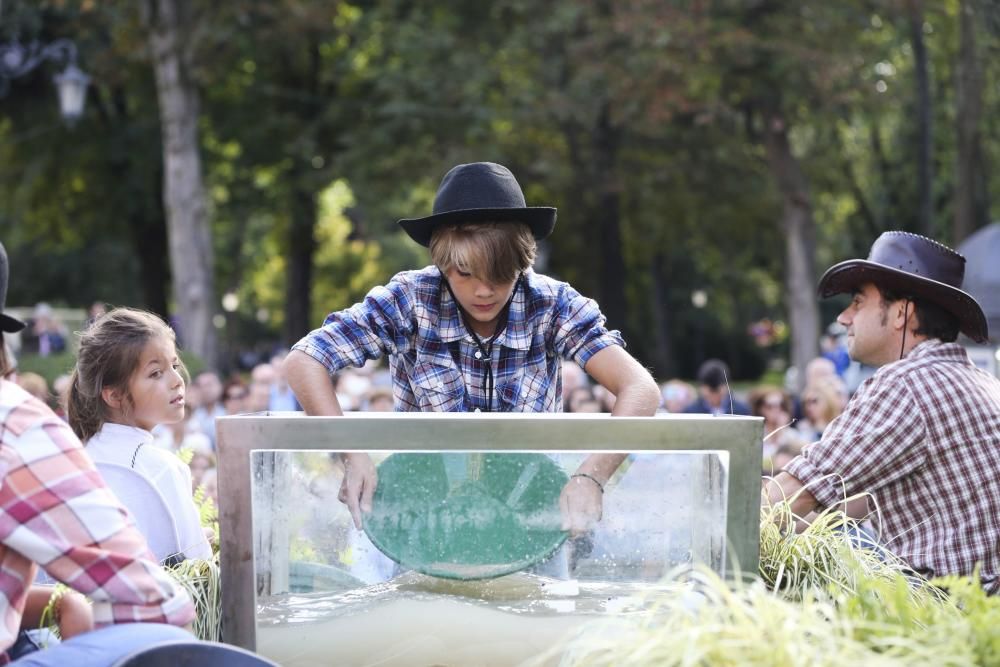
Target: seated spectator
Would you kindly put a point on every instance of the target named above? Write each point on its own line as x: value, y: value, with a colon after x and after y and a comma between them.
x: 210, y: 484
x: 822, y: 402
x: 49, y: 333
x: 379, y: 400
x: 202, y: 460
x: 128, y: 379
x: 35, y: 384
x: 209, y: 389
x: 677, y: 395
x: 581, y: 394
x: 60, y: 386
x: 97, y: 551
x: 234, y: 397
x: 572, y: 377
x: 713, y: 392
x: 781, y: 456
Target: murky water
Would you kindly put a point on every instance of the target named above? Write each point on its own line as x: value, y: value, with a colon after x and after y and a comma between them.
x: 415, y: 620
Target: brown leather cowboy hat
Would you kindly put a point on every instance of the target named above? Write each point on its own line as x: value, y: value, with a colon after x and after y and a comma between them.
x: 916, y: 266
x: 480, y: 192
x: 8, y: 324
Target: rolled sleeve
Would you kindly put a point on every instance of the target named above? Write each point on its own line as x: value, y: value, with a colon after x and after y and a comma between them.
x: 579, y: 329
x: 381, y: 324
x: 874, y: 443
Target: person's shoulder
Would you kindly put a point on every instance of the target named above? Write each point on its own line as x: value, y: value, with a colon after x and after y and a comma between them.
x: 417, y: 284
x: 21, y: 412
x: 540, y: 287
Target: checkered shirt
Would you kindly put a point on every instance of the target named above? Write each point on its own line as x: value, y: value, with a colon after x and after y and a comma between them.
x: 923, y: 436
x: 415, y: 321
x: 55, y: 511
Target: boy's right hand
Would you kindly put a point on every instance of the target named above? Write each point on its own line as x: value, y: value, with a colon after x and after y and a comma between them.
x: 358, y: 487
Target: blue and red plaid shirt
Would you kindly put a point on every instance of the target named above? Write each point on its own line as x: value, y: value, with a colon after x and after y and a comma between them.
x: 432, y: 357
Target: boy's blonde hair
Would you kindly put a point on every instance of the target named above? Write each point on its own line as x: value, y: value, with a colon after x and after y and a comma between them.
x: 495, y: 252
x: 109, y: 354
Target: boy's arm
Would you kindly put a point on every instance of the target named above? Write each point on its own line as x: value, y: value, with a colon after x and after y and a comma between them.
x: 71, y: 611
x: 635, y: 391
x: 636, y: 395
x: 310, y: 382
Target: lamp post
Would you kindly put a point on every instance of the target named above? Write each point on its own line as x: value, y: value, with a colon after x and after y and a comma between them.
x: 17, y: 59
x: 699, y: 299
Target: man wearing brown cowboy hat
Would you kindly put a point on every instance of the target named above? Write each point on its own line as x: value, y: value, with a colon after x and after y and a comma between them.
x: 56, y: 513
x: 477, y: 331
x: 923, y: 434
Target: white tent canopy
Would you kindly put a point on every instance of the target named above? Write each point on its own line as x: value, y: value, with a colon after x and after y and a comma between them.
x: 982, y: 272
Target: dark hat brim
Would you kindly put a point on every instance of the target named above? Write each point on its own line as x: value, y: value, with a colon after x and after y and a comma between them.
x: 10, y: 324
x: 853, y: 273
x: 541, y: 220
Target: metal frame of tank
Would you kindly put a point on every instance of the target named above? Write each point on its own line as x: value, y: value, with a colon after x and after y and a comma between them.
x: 239, y: 436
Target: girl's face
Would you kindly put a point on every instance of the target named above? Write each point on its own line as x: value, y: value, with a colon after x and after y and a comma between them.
x: 156, y: 386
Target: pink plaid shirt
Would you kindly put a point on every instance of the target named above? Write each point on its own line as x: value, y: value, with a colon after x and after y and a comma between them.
x: 55, y: 511
x: 923, y: 436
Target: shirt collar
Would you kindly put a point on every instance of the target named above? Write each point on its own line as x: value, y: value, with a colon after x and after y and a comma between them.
x: 515, y: 335
x: 115, y: 433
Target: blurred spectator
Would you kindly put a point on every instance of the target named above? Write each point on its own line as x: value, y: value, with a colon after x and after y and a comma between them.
x: 209, y: 390
x: 60, y: 387
x: 48, y: 332
x: 589, y: 405
x: 820, y: 369
x: 781, y: 456
x: 822, y: 402
x: 380, y: 400
x: 264, y: 374
x: 713, y: 392
x: 775, y: 406
x: 832, y: 347
x: 34, y: 384
x: 351, y: 387
x: 572, y: 377
x: 604, y: 397
x: 677, y: 395
x: 202, y: 460
x: 282, y: 399
x: 580, y: 394
x: 96, y: 309
x: 234, y: 398
x: 258, y: 397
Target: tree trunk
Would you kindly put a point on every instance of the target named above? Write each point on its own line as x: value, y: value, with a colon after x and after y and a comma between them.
x: 925, y: 214
x: 800, y: 244
x: 661, y: 357
x: 299, y: 270
x: 607, y: 219
x: 971, y: 196
x: 191, y: 256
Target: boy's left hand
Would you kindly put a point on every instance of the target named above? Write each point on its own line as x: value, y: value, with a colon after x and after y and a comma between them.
x: 581, y: 504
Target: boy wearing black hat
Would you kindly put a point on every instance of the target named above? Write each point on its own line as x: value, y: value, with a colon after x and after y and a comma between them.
x: 923, y: 434
x: 478, y: 331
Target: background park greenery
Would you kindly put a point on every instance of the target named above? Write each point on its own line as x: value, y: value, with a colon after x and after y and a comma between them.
x: 735, y: 147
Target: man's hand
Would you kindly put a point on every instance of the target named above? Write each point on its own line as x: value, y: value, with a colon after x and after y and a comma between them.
x: 582, y: 505
x: 358, y: 487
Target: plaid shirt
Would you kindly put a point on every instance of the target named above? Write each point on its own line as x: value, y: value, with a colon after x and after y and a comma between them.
x: 55, y: 511
x: 432, y: 358
x: 923, y: 436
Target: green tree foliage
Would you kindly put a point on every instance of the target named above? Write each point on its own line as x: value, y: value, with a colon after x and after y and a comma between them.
x: 644, y: 122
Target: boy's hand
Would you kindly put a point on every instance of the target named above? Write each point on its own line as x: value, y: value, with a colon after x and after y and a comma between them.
x: 358, y: 487
x: 581, y: 504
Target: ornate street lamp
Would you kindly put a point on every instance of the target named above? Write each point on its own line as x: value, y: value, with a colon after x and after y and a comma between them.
x: 16, y: 60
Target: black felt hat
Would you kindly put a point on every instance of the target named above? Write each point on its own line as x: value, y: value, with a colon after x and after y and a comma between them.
x: 8, y: 324
x: 916, y: 266
x: 480, y: 192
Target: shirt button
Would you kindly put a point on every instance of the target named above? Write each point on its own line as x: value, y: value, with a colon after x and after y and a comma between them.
x: 479, y: 355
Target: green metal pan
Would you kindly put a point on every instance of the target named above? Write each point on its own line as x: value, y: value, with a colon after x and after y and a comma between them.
x: 467, y: 515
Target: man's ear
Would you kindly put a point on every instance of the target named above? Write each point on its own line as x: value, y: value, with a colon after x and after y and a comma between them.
x: 112, y: 397
x: 907, y: 313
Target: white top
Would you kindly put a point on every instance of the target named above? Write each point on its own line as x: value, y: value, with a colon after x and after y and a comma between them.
x: 134, y: 448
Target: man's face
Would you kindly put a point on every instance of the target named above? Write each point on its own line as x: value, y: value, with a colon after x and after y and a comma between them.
x: 480, y: 300
x: 870, y: 338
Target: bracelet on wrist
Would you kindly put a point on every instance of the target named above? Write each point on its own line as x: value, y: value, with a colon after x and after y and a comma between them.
x: 591, y: 478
